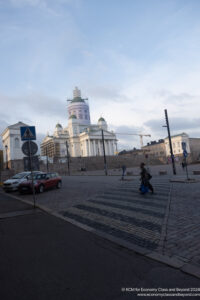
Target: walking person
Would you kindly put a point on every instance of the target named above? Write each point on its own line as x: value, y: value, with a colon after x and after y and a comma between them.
x: 145, y: 177
x: 123, y: 171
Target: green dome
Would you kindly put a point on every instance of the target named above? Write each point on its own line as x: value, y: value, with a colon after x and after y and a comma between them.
x: 73, y: 117
x: 77, y: 99
x: 101, y: 120
x: 58, y: 125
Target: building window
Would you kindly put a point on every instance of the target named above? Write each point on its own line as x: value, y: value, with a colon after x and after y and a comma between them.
x: 80, y: 116
x: 16, y: 143
x: 86, y: 117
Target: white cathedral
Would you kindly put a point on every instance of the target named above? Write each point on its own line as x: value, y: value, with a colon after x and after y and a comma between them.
x: 82, y: 138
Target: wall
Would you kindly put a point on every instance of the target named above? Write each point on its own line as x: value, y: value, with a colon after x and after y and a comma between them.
x: 90, y: 163
x: 195, y: 148
x: 157, y: 149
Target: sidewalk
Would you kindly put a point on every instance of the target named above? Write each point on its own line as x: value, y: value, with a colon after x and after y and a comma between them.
x: 44, y: 257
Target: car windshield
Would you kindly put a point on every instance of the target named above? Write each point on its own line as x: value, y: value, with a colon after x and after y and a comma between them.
x: 37, y: 176
x: 40, y: 176
x: 19, y: 176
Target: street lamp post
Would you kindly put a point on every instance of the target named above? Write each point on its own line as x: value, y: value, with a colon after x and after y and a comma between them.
x: 170, y: 142
x: 6, y: 147
x: 104, y: 154
x: 68, y: 158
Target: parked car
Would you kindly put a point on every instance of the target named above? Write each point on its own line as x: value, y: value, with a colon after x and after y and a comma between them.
x: 41, y: 182
x: 12, y: 184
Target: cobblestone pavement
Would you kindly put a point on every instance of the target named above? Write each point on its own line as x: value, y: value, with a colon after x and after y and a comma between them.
x: 183, y: 224
x: 166, y: 222
x: 126, y: 214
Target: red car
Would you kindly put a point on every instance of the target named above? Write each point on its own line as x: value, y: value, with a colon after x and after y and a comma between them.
x: 41, y: 182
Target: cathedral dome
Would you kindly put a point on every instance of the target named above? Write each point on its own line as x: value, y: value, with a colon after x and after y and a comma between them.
x: 102, y: 123
x: 77, y: 99
x: 101, y: 120
x: 72, y: 117
x: 58, y: 125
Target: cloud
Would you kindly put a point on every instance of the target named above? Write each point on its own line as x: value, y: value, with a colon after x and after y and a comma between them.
x: 177, y: 125
x: 106, y: 93
x: 128, y: 136
x: 35, y: 109
x: 31, y: 103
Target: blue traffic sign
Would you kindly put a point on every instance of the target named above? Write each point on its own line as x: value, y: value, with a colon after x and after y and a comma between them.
x: 28, y: 133
x: 185, y: 154
x: 183, y: 145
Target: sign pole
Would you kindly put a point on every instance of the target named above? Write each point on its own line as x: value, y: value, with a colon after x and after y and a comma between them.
x: 104, y: 154
x: 186, y: 168
x: 170, y: 142
x: 27, y: 134
x: 68, y: 158
x: 30, y: 158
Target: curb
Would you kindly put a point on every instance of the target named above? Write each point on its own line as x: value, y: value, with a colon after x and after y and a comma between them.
x: 170, y: 261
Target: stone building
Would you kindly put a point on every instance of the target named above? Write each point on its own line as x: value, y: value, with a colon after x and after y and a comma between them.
x: 155, y: 149
x: 177, y: 144
x: 192, y: 145
x: 80, y: 136
x: 162, y: 148
x: 12, y: 143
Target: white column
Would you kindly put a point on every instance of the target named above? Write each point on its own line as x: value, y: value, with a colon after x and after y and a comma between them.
x: 111, y: 151
x: 91, y: 147
x: 87, y: 148
x: 99, y: 148
x: 94, y: 148
x: 111, y: 148
x: 107, y: 147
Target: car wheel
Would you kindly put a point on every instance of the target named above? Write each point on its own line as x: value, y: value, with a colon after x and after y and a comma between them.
x: 41, y: 189
x: 59, y: 184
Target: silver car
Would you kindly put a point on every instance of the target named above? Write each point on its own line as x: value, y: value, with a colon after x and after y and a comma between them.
x: 13, y: 183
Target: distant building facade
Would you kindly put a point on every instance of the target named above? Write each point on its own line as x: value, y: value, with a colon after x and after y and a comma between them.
x: 177, y: 144
x: 156, y: 149
x: 82, y: 138
x: 162, y: 147
x: 192, y: 145
x: 12, y: 143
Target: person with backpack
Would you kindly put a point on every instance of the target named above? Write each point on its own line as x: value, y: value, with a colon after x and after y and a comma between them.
x: 145, y: 177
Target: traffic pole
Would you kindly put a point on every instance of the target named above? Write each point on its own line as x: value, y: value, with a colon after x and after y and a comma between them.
x: 104, y: 154
x: 170, y: 142
x: 31, y: 168
x: 186, y: 168
x: 68, y: 166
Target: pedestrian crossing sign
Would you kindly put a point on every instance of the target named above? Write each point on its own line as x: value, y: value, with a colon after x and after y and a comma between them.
x: 28, y: 133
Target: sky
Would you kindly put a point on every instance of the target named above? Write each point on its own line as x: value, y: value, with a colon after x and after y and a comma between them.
x: 132, y: 59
